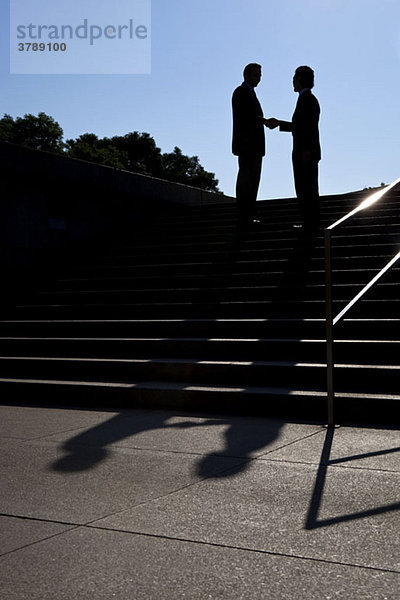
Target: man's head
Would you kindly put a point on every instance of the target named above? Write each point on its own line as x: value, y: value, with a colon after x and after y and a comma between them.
x: 252, y: 74
x: 303, y: 78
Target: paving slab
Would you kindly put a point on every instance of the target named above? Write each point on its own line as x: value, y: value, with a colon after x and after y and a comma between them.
x: 352, y: 447
x: 22, y: 422
x: 41, y: 480
x: 274, y: 507
x: 107, y: 564
x: 16, y: 533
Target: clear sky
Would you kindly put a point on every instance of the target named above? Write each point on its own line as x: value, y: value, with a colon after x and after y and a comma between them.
x: 199, y: 49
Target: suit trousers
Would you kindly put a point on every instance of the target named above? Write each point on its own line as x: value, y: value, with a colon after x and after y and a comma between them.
x: 306, y: 184
x: 247, y: 183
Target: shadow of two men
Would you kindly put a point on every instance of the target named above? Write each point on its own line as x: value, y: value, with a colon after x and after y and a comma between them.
x: 236, y: 438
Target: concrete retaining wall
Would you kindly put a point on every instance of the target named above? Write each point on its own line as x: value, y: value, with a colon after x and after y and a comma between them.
x: 49, y: 201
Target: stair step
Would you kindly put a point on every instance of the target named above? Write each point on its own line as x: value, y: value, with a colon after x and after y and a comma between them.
x: 189, y: 310
x: 298, y: 292
x: 347, y: 249
x: 202, y: 264
x: 212, y: 327
x: 282, y: 220
x: 352, y: 377
x: 364, y: 351
x: 175, y: 280
x: 249, y: 400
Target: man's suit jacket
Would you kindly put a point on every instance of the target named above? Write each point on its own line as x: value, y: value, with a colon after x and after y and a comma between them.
x: 248, y: 129
x: 304, y: 126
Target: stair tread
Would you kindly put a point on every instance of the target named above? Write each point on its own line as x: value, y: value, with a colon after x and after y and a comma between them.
x: 209, y: 320
x: 167, y: 385
x: 196, y: 361
x: 285, y: 340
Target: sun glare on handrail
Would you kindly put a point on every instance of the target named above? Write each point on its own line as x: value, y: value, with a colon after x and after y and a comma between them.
x: 377, y: 195
x: 373, y: 198
x: 365, y: 204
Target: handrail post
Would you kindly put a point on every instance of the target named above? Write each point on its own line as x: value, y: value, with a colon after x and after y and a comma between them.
x: 329, y: 327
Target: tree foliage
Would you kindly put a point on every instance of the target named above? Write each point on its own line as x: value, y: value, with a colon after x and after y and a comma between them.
x: 41, y: 132
x: 188, y: 170
x: 135, y: 152
x: 89, y: 147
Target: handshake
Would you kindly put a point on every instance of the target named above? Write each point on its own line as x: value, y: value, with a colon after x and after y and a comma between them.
x: 270, y: 123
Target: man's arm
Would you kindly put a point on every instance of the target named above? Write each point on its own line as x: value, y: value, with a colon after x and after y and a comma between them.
x: 285, y: 125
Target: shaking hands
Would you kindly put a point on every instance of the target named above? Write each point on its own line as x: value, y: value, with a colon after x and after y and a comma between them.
x: 270, y: 123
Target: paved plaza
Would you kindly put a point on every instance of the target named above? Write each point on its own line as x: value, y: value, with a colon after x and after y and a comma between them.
x: 136, y: 505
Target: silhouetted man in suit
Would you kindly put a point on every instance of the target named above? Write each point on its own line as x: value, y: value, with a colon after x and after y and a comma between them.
x: 306, y: 147
x: 248, y: 142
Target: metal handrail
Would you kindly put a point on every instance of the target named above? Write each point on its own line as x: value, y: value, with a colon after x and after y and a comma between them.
x: 331, y: 321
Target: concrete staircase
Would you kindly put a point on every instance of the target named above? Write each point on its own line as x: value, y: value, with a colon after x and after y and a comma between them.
x: 189, y: 315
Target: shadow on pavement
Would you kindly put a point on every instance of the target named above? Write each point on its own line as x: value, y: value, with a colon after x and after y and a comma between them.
x: 312, y: 519
x: 242, y: 437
